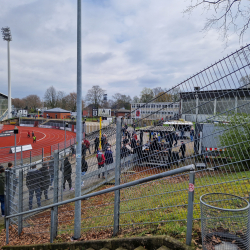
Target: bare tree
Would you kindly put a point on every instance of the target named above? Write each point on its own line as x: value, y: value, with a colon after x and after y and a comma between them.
x: 95, y: 95
x: 18, y: 103
x: 245, y: 81
x: 32, y: 102
x: 121, y: 101
x: 147, y: 94
x: 163, y: 97
x: 136, y: 99
x: 228, y: 15
x: 157, y: 90
x: 50, y: 97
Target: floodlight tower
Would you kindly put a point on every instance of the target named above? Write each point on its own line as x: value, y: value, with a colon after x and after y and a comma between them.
x: 7, y: 37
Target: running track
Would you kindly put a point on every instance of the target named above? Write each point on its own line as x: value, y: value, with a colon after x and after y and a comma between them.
x: 45, y: 138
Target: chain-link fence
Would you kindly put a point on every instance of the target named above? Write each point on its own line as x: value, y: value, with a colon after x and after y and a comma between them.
x: 203, y: 121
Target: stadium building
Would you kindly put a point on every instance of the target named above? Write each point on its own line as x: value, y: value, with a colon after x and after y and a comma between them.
x: 157, y: 110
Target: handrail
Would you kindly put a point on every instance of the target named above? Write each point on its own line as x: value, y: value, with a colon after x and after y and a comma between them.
x: 108, y: 190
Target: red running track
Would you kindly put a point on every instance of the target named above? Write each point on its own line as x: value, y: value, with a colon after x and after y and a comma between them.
x: 45, y: 138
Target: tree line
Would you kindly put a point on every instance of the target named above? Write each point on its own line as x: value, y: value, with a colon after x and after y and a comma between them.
x: 95, y: 98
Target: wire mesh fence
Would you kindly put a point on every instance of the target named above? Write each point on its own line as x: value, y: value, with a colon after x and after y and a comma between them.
x: 202, y: 121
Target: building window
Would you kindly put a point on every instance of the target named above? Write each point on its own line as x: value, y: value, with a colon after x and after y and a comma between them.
x: 152, y: 105
x: 138, y: 105
x: 133, y: 106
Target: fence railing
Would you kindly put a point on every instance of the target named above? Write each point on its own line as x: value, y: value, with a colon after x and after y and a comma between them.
x: 54, y: 206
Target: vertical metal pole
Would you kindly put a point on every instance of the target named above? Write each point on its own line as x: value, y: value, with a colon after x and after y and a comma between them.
x: 52, y: 225
x: 20, y: 201
x: 58, y: 148
x: 64, y: 139
x: 117, y: 176
x: 7, y: 198
x: 21, y: 155
x: 7, y: 230
x: 55, y: 190
x: 30, y: 157
x: 42, y: 154
x: 51, y: 150
x: 9, y: 82
x: 15, y: 152
x: 190, y: 207
x: 77, y: 226
x: 100, y: 133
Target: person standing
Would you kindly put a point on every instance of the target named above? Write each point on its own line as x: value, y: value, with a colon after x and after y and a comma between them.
x: 84, y: 149
x: 87, y: 143
x: 134, y: 126
x: 33, y: 133
x: 96, y: 141
x: 2, y: 189
x: 84, y: 168
x: 33, y: 183
x: 108, y: 156
x: 34, y: 138
x: 192, y: 135
x: 45, y: 180
x: 183, y: 150
x: 101, y: 160
x: 28, y: 135
x: 67, y: 171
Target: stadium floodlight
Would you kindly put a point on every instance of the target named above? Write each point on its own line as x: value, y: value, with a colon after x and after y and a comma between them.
x: 7, y: 37
x: 6, y: 34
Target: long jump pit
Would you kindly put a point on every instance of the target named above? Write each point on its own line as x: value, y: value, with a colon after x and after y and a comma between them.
x: 47, y: 141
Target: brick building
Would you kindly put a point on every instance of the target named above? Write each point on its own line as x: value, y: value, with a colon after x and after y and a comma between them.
x: 56, y: 113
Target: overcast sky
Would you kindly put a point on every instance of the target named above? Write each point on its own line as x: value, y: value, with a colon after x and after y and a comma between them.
x: 126, y: 45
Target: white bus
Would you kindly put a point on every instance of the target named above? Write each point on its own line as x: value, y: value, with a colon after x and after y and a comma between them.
x: 180, y: 125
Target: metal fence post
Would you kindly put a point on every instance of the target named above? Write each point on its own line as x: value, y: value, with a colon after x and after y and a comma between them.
x: 55, y: 190
x: 21, y: 155
x: 117, y: 177
x: 190, y: 207
x: 30, y: 157
x: 52, y: 225
x: 42, y: 154
x: 20, y: 201
x: 7, y: 198
x: 7, y: 230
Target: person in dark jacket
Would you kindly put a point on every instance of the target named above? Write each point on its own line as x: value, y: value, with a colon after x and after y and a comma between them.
x: 124, y: 151
x: 101, y: 160
x: 125, y: 140
x: 96, y: 141
x: 15, y: 179
x: 138, y: 151
x: 33, y: 183
x: 108, y: 156
x: 67, y: 171
x: 2, y: 188
x: 183, y: 150
x: 45, y: 180
x: 133, y: 143
x: 192, y: 135
x: 84, y: 149
x: 103, y: 140
x: 84, y: 168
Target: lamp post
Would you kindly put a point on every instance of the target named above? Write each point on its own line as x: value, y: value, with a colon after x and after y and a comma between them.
x: 7, y: 37
x: 15, y: 133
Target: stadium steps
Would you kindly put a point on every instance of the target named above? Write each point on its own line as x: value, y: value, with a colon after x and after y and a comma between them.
x: 44, y: 122
x: 4, y: 115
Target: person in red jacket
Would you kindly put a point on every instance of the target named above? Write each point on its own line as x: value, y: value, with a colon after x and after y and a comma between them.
x: 101, y: 160
x: 86, y: 142
x: 28, y: 134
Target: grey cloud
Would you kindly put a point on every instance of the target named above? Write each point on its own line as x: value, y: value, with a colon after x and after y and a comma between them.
x: 98, y: 58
